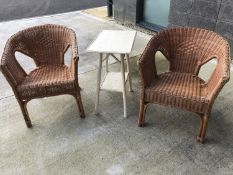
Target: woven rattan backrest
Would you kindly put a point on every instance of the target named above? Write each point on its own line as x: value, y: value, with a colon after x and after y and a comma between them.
x: 187, y: 49
x: 46, y: 44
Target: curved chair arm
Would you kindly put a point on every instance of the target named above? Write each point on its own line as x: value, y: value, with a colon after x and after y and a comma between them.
x: 10, y: 67
x: 74, y: 50
x: 221, y: 74
x: 146, y: 63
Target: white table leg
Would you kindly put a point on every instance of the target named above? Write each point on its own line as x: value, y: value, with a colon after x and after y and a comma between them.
x: 129, y: 73
x: 123, y: 84
x: 107, y: 56
x: 98, y: 84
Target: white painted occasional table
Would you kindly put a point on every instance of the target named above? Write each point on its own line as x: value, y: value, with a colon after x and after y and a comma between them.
x: 109, y: 43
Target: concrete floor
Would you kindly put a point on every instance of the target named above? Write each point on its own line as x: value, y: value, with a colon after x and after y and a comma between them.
x: 62, y: 143
x: 17, y: 9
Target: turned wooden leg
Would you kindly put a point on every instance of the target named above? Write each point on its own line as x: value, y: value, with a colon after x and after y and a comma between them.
x: 80, y: 104
x: 203, y: 128
x: 141, y: 118
x: 23, y: 107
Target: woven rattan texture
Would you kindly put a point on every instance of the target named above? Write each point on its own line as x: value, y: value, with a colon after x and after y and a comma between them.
x: 186, y: 49
x: 179, y: 90
x: 46, y: 45
x: 47, y: 80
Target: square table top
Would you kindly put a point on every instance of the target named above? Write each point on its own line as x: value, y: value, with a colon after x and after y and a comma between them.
x: 113, y: 41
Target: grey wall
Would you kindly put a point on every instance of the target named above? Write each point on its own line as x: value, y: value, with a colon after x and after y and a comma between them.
x: 125, y: 11
x: 216, y: 15
x: 195, y: 13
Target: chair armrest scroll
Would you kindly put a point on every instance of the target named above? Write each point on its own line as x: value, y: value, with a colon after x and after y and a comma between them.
x: 220, y: 76
x: 10, y: 67
x: 146, y: 63
x: 75, y: 58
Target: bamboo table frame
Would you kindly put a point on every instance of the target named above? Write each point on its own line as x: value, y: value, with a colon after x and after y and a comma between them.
x: 109, y: 43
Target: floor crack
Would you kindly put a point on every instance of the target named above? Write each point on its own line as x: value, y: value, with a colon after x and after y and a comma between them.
x: 6, y: 97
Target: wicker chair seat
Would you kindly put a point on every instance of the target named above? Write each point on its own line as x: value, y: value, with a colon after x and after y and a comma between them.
x: 47, y: 80
x: 182, y: 90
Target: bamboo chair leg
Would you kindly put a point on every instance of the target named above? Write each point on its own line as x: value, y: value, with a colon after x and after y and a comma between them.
x: 80, y: 104
x: 141, y: 118
x: 203, y: 128
x: 23, y: 107
x: 200, y: 128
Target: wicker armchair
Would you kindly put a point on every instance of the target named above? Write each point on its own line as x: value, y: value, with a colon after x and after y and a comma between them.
x: 46, y: 45
x: 186, y: 49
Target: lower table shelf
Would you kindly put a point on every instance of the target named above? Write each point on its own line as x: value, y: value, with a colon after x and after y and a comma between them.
x: 113, y: 81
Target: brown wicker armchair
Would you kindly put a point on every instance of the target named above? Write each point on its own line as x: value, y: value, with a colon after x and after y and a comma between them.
x: 186, y: 49
x: 46, y: 45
